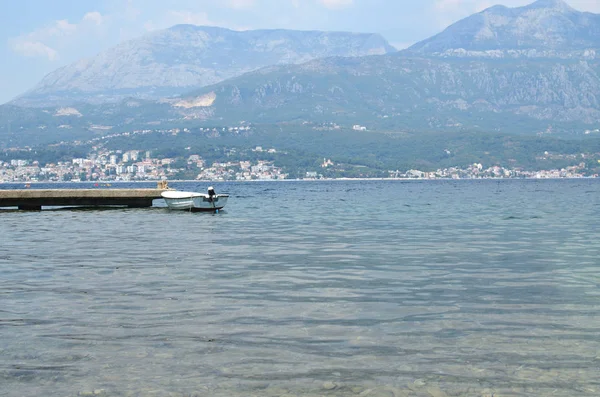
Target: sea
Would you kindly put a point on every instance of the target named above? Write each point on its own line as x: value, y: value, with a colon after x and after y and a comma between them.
x: 308, y: 288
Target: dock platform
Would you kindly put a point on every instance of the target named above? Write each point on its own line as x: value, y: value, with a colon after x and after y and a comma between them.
x: 35, y: 199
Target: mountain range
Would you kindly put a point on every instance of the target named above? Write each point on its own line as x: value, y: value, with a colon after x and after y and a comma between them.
x: 412, y: 92
x: 546, y: 28
x: 527, y: 70
x: 169, y: 62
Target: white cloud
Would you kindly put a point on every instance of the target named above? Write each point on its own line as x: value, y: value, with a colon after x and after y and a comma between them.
x: 336, y: 4
x: 47, y: 41
x: 240, y: 4
x: 94, y: 17
x: 61, y: 27
x: 33, y: 49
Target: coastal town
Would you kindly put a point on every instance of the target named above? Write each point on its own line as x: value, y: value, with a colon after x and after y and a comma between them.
x: 120, y: 165
x: 135, y: 165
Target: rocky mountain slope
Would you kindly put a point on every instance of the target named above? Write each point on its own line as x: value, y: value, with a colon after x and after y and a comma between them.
x: 174, y: 60
x: 546, y: 28
x: 421, y: 89
x: 531, y: 69
x: 417, y: 92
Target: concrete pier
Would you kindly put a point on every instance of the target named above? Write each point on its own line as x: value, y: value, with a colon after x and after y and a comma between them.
x: 35, y: 199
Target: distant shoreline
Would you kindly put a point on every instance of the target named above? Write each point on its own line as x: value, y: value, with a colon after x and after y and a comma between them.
x: 105, y: 183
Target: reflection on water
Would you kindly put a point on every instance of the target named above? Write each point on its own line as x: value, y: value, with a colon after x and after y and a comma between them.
x: 310, y: 289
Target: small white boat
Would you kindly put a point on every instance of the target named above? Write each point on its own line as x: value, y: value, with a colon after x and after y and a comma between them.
x: 192, y: 201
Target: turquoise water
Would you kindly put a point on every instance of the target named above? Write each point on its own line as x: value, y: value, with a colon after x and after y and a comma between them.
x: 333, y: 288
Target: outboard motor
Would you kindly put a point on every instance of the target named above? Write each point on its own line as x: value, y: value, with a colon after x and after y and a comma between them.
x: 211, y: 194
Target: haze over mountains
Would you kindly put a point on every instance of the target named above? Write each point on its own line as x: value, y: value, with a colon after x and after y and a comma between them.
x: 171, y: 61
x: 549, y: 28
x: 527, y: 70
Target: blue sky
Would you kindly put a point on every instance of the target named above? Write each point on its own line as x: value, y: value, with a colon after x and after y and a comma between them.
x: 39, y: 36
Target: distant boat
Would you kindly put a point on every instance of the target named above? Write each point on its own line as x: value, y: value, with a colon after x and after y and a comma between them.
x: 193, y: 201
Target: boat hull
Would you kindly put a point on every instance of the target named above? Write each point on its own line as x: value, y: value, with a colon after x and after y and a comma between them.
x: 194, y: 202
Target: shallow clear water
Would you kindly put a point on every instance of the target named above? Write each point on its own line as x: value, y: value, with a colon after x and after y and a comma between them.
x: 338, y: 288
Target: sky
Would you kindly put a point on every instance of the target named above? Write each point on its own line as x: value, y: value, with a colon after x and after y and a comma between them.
x: 39, y: 36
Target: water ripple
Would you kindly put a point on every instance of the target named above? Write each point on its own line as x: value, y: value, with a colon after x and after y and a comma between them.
x: 449, y: 289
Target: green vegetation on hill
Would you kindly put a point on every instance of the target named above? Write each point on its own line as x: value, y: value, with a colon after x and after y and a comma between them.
x: 302, y: 148
x: 384, y: 93
x: 525, y: 96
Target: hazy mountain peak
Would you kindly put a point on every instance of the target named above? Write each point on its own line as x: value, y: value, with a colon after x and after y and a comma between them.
x: 549, y: 27
x: 558, y: 5
x: 171, y: 61
x: 190, y: 27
